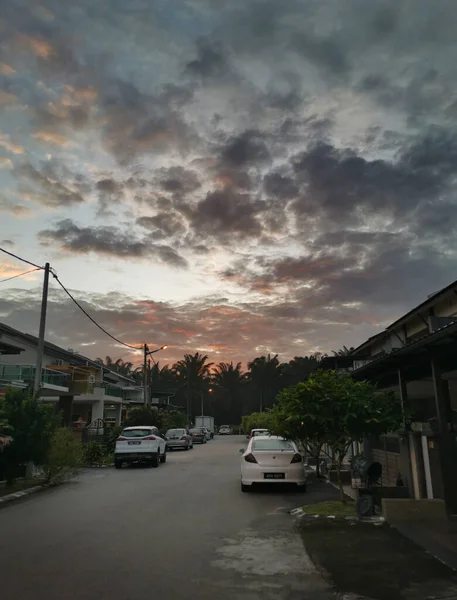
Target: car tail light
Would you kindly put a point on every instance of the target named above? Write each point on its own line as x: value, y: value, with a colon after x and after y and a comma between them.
x: 250, y: 458
x: 297, y: 458
x: 150, y: 437
x: 121, y: 439
x: 183, y: 437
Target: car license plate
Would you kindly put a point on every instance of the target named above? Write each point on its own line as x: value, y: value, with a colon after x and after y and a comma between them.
x: 134, y: 443
x: 274, y: 476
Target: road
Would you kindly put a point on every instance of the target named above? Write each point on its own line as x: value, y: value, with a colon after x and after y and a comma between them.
x: 180, y: 531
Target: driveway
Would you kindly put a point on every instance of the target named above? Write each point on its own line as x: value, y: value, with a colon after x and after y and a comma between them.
x: 180, y: 531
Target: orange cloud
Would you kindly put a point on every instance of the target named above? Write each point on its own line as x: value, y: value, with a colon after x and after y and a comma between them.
x: 7, y: 99
x: 6, y: 69
x: 6, y: 143
x: 40, y: 48
x: 184, y: 332
x: 51, y: 137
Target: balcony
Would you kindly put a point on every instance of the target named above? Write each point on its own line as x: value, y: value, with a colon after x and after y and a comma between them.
x: 113, y: 390
x: 24, y: 376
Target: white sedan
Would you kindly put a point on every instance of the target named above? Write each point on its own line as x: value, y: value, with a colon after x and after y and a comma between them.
x: 271, y: 459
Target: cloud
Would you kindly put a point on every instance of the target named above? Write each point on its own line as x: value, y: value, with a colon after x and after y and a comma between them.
x: 107, y: 241
x: 5, y: 142
x: 248, y: 148
x: 18, y: 210
x: 45, y: 186
x: 210, y: 61
x: 6, y: 69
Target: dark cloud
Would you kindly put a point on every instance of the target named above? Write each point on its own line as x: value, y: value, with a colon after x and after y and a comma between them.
x: 281, y: 186
x: 210, y: 61
x: 108, y: 241
x: 46, y: 187
x: 178, y: 180
x: 110, y: 193
x: 245, y: 149
x: 163, y: 225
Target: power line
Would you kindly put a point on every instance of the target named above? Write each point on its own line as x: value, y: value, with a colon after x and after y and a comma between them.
x: 89, y: 317
x: 20, y: 275
x: 22, y: 259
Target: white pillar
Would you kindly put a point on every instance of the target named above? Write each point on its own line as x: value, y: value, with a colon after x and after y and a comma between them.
x: 414, y: 466
x: 428, y: 473
x: 118, y: 414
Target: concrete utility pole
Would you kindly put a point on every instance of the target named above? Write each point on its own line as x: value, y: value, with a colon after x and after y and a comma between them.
x: 145, y: 375
x: 40, y: 349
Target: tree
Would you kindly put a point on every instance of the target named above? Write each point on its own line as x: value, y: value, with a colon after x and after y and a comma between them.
x: 264, y: 373
x: 193, y: 374
x: 298, y: 369
x: 32, y: 424
x: 332, y: 408
x: 121, y: 367
x: 344, y: 351
x: 143, y: 415
x: 262, y: 420
x: 229, y: 381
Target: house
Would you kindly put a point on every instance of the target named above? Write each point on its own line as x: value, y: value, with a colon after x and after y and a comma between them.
x: 83, y: 389
x: 416, y: 358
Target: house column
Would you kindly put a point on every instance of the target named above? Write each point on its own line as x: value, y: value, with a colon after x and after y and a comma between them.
x: 408, y: 455
x: 65, y: 406
x: 118, y: 414
x: 446, y: 448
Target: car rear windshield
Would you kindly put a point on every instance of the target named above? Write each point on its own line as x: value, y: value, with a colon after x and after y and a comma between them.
x: 272, y: 445
x: 196, y: 431
x: 134, y: 433
x: 175, y: 432
x: 260, y: 432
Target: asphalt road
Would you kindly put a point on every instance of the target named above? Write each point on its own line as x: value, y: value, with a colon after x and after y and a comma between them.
x: 183, y: 530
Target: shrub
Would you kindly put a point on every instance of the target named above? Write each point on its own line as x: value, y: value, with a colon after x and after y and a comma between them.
x: 31, y: 424
x: 143, y: 415
x: 110, y: 436
x: 93, y: 453
x: 64, y: 457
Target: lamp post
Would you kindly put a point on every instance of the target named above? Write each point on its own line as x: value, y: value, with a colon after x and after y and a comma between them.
x: 201, y: 396
x: 147, y: 353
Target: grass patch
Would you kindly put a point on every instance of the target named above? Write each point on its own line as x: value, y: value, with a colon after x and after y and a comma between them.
x: 336, y: 508
x: 20, y: 486
x: 375, y: 562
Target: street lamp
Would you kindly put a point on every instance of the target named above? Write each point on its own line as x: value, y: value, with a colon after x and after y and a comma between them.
x: 147, y: 352
x: 201, y: 396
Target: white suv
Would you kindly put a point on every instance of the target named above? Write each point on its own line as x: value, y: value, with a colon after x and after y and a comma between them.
x: 140, y: 444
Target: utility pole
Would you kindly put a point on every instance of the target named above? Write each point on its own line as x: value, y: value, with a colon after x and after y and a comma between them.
x: 145, y: 375
x: 40, y: 349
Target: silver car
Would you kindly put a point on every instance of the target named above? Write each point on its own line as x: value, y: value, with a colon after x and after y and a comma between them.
x: 178, y: 438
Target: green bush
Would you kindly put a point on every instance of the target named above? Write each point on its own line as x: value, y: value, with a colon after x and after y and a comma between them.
x: 143, y: 415
x: 110, y: 436
x: 64, y: 457
x: 93, y: 453
x: 31, y: 424
x: 173, y: 419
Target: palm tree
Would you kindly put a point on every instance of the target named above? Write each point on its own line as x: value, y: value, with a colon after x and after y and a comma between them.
x: 193, y: 373
x: 229, y: 380
x: 298, y: 369
x: 264, y: 373
x: 344, y: 351
x: 121, y: 367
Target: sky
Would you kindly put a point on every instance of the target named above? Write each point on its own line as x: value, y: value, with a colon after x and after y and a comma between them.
x: 234, y: 178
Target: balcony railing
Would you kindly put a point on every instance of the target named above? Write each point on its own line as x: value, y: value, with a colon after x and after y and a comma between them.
x: 113, y: 390
x: 26, y: 374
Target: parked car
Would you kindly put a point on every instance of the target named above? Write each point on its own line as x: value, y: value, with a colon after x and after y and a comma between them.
x: 198, y: 436
x: 142, y: 444
x: 224, y: 430
x: 271, y: 459
x: 206, y: 431
x: 178, y: 438
x: 257, y: 432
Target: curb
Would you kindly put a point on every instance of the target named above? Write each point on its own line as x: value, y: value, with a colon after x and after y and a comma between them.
x: 5, y: 500
x: 300, y: 514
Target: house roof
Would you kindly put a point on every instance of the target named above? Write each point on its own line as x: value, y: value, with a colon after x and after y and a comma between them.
x: 447, y: 333
x: 73, y: 358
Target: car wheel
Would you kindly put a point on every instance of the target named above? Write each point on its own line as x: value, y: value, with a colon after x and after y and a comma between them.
x: 302, y: 488
x: 245, y: 488
x: 163, y: 458
x: 155, y: 461
x: 187, y: 447
x: 118, y: 464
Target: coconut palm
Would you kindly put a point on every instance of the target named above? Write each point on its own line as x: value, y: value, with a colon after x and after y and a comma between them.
x: 344, y: 351
x: 264, y: 373
x: 193, y: 373
x: 229, y: 380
